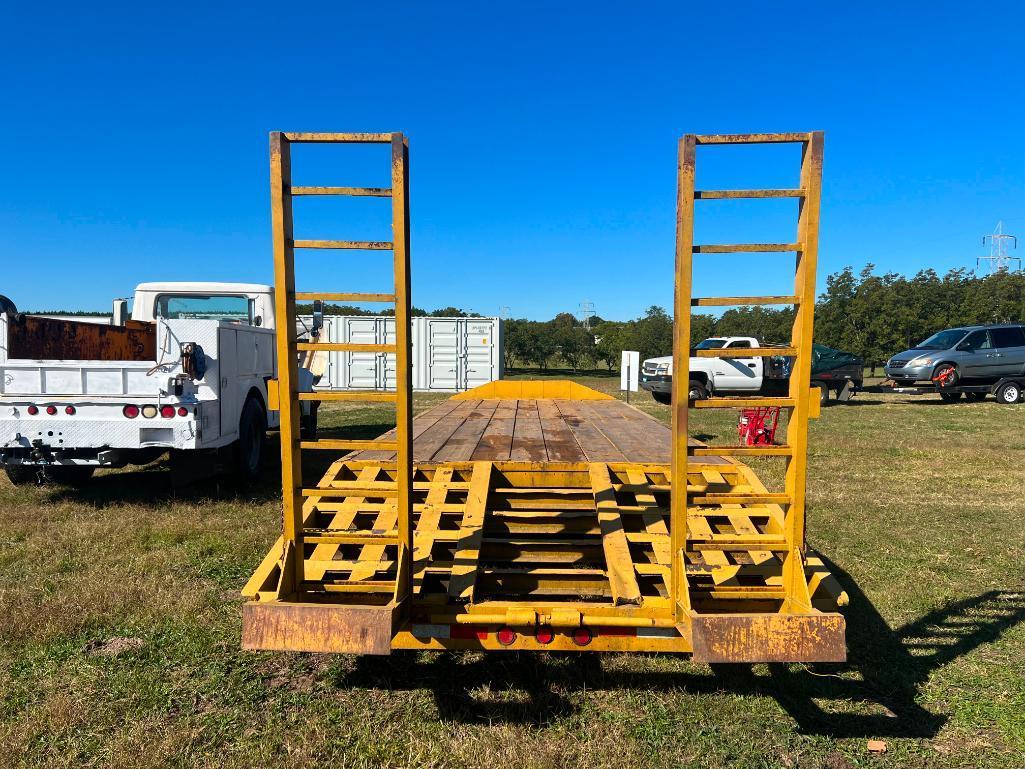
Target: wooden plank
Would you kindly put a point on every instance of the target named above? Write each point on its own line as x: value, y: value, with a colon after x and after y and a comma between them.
x: 559, y: 440
x: 496, y: 442
x: 595, y: 445
x: 463, y: 442
x: 528, y: 442
x: 421, y: 424
x: 471, y: 529
x: 636, y: 435
x: 622, y: 578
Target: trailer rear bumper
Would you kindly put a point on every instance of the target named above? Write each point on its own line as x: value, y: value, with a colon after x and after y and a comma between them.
x: 721, y: 638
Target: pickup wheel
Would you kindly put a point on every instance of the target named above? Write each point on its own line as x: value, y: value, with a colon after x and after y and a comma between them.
x: 665, y: 399
x: 20, y: 475
x: 696, y: 391
x: 252, y: 439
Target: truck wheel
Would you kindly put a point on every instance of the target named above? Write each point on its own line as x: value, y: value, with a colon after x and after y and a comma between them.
x: 1009, y: 393
x: 252, y: 437
x: 696, y: 391
x: 950, y: 397
x: 664, y: 398
x: 20, y: 475
x: 823, y: 392
x: 74, y: 475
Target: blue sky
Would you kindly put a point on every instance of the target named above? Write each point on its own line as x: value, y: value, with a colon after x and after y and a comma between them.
x: 542, y: 141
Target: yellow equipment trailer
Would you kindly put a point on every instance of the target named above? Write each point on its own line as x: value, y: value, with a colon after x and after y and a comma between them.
x: 530, y: 515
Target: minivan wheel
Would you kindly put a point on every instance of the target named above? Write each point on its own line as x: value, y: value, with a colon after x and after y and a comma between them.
x: 1009, y: 393
x: 945, y: 375
x: 950, y: 397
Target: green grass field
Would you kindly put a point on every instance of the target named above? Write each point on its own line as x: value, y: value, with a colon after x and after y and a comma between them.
x: 119, y: 639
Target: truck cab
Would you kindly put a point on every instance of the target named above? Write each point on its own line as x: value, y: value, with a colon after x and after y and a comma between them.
x: 186, y: 373
x: 708, y: 376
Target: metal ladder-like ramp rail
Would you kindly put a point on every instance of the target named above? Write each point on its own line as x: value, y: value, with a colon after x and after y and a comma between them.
x: 795, y: 630
x: 321, y: 519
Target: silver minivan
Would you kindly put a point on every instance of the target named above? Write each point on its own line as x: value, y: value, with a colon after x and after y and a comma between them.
x: 970, y: 353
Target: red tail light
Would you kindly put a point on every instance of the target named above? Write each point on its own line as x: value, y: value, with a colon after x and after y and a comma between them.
x: 182, y: 411
x: 167, y: 411
x: 33, y: 410
x: 130, y: 411
x: 51, y: 410
x: 544, y: 635
x: 69, y: 410
x: 582, y: 636
x: 506, y: 636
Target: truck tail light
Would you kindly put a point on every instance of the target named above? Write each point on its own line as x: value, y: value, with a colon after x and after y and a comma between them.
x: 182, y: 411
x: 167, y: 411
x: 69, y: 410
x: 51, y: 410
x: 130, y: 411
x: 149, y: 411
x: 33, y: 409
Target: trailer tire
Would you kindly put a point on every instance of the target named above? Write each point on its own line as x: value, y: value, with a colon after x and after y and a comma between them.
x: 950, y: 397
x: 975, y: 397
x: 250, y: 449
x: 75, y: 475
x: 1009, y: 393
x: 696, y: 391
x: 665, y: 399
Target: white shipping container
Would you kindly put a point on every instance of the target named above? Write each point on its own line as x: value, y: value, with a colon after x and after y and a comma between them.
x: 449, y: 354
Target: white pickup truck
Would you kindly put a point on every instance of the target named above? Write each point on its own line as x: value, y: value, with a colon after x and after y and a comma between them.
x: 187, y: 373
x: 833, y: 372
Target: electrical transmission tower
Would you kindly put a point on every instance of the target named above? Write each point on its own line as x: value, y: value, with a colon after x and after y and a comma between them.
x: 998, y: 258
x: 586, y: 313
x: 503, y: 312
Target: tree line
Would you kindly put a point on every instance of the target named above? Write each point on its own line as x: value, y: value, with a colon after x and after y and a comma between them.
x: 870, y: 315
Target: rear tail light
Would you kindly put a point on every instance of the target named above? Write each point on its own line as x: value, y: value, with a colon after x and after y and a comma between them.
x: 544, y: 635
x: 130, y: 411
x: 33, y: 410
x: 167, y: 411
x: 506, y: 636
x: 149, y: 411
x: 582, y: 636
x: 182, y: 411
x: 69, y: 410
x: 51, y: 410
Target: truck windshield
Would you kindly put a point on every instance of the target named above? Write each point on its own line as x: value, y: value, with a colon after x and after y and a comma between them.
x: 234, y: 308
x: 711, y: 344
x: 944, y: 340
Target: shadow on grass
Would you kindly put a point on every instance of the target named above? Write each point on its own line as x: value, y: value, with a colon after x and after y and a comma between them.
x: 890, y: 666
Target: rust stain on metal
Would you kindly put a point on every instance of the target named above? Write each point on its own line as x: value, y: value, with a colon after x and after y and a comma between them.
x: 769, y: 638
x: 317, y: 628
x: 37, y: 338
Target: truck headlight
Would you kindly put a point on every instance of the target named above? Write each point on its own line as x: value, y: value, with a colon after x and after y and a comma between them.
x: 662, y: 368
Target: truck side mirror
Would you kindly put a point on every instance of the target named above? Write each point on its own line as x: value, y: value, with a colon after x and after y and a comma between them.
x: 120, y: 312
x: 318, y: 317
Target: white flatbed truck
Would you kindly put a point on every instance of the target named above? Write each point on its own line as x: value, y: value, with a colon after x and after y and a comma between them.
x: 186, y: 374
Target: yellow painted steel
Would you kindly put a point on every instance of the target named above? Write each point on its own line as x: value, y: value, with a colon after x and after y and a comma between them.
x: 533, y: 389
x: 694, y: 556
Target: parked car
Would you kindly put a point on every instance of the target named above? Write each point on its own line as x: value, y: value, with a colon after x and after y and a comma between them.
x: 964, y: 356
x: 834, y: 372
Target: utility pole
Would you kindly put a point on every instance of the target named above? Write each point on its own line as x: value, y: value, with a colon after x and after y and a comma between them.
x: 998, y: 258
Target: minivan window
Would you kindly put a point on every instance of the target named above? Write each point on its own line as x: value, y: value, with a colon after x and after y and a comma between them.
x: 944, y: 340
x: 977, y: 340
x: 1008, y: 337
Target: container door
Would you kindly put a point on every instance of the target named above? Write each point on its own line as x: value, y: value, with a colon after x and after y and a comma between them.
x: 479, y: 353
x: 443, y: 354
x: 386, y: 360
x: 363, y: 368
x: 227, y: 381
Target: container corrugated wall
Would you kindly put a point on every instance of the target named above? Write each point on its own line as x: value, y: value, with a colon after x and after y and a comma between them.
x: 449, y: 354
